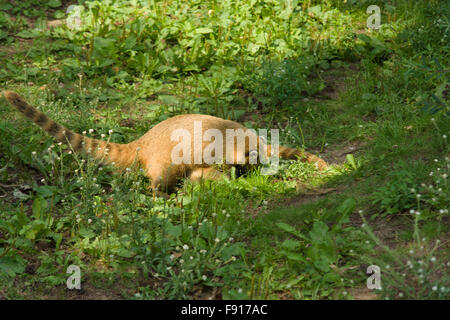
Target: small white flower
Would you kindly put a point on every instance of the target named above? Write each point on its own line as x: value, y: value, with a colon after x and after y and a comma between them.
x: 89, y: 220
x: 213, y: 214
x: 110, y: 131
x: 444, y: 136
x: 191, y: 257
x: 203, y: 251
x: 168, y: 268
x: 433, y: 259
x: 102, y: 135
x: 400, y: 295
x: 434, y: 288
x: 233, y: 258
x: 181, y: 261
x: 217, y: 240
x: 33, y: 153
x: 91, y: 130
x: 185, y: 247
x: 204, y: 277
x: 42, y: 180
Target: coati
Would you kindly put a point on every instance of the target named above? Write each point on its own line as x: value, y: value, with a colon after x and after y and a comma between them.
x: 154, y: 150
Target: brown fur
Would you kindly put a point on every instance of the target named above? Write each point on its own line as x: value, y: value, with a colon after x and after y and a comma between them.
x: 153, y: 150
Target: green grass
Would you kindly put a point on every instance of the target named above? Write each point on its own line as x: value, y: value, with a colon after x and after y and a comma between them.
x: 373, y: 103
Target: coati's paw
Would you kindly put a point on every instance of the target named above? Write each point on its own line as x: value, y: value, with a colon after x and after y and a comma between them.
x: 321, y: 164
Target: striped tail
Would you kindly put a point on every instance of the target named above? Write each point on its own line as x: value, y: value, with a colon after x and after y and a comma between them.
x: 292, y: 153
x: 122, y: 155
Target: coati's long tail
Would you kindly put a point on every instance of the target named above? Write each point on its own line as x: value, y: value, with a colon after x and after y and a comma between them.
x: 122, y: 155
x: 292, y: 153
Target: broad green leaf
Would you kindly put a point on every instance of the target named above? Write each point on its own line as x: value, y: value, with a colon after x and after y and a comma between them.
x: 12, y: 265
x: 125, y: 253
x: 291, y: 245
x: 203, y: 30
x: 54, y: 3
x: 319, y: 232
x: 351, y: 161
